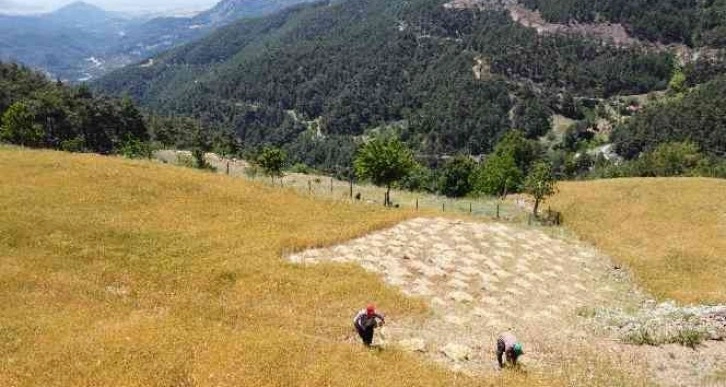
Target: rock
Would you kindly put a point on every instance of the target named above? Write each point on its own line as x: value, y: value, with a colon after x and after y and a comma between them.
x: 460, y: 296
x: 457, y: 352
x: 412, y: 345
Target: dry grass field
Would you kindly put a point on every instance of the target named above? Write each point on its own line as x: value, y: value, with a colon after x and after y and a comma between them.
x: 133, y: 273
x: 129, y: 273
x: 671, y: 232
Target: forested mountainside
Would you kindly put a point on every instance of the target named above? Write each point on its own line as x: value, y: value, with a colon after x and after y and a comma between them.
x: 37, y: 112
x: 314, y: 77
x: 698, y: 116
x: 691, y: 22
x: 163, y: 33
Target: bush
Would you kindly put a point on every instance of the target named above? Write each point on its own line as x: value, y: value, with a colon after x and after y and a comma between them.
x: 301, y: 168
x: 456, y: 176
x: 711, y: 167
x: 641, y: 336
x: 690, y: 337
x: 136, y: 149
x: 670, y: 159
x: 73, y: 145
x: 419, y: 179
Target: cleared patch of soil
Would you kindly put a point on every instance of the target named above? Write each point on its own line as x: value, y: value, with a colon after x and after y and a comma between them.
x: 481, y: 279
x: 611, y: 32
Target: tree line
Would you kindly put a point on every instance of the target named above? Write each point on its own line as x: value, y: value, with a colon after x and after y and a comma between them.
x: 37, y: 112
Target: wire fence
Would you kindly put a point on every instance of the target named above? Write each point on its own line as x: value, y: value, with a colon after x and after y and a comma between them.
x: 325, y: 187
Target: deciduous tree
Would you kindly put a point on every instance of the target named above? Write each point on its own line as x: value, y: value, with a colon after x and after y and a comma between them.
x: 383, y: 161
x: 540, y: 183
x: 272, y: 161
x: 19, y: 126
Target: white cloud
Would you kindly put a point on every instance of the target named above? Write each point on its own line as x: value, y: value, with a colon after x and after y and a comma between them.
x: 8, y: 6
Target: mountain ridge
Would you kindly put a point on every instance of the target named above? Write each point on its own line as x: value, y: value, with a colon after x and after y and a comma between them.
x: 81, y: 41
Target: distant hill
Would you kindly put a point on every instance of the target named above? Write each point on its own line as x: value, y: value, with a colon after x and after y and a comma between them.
x: 67, y: 43
x: 81, y: 41
x: 79, y: 14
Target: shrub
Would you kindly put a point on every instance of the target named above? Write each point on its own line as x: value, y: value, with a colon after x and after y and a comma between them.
x: 73, y: 145
x: 135, y: 149
x: 689, y: 337
x: 185, y: 160
x: 641, y: 336
x: 456, y: 179
x: 301, y: 168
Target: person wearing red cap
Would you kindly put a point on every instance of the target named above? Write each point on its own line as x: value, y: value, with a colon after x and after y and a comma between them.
x: 366, y: 321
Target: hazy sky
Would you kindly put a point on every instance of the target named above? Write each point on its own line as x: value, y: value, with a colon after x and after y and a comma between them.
x: 15, y: 6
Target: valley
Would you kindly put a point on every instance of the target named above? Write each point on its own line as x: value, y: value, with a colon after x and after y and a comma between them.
x: 81, y: 42
x: 208, y: 199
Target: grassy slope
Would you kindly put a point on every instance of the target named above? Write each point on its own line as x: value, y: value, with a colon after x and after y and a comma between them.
x: 670, y: 232
x: 116, y: 272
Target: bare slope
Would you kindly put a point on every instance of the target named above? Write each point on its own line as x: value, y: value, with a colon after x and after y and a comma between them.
x: 670, y: 232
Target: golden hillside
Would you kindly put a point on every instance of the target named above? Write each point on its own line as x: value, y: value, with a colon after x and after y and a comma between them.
x: 128, y: 273
x: 117, y: 272
x: 671, y: 232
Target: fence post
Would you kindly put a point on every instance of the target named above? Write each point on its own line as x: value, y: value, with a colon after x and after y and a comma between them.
x: 227, y: 168
x: 497, y: 210
x: 351, y: 187
x: 310, y: 187
x: 331, y: 185
x: 470, y: 207
x: 416, y: 204
x: 443, y: 207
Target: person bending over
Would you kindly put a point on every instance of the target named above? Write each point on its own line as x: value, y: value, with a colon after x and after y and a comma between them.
x: 365, y: 323
x: 508, y: 345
